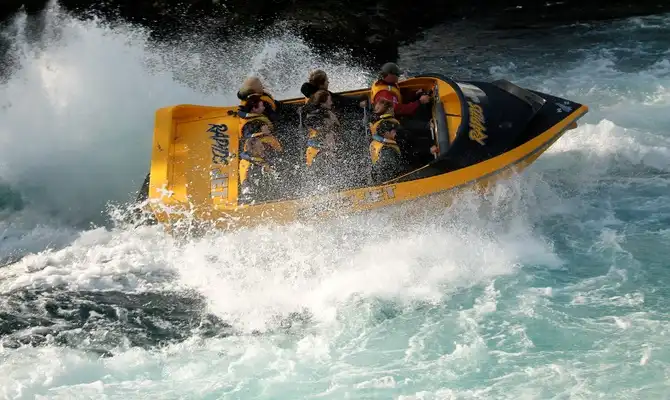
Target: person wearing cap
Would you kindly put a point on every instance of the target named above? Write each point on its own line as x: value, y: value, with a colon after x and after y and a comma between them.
x: 387, y: 88
x: 258, y: 179
x: 256, y: 124
x: 253, y: 85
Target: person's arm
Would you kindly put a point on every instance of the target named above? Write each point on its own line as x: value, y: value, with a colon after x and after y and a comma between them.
x: 406, y: 109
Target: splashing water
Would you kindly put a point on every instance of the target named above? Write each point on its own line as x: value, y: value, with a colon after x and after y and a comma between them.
x: 551, y: 286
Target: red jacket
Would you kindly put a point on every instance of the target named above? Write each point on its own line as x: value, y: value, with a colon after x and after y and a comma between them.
x: 406, y: 109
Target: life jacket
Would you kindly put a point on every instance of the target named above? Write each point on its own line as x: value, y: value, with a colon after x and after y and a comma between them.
x: 314, y: 138
x: 383, y: 85
x: 270, y: 140
x: 378, y: 143
x: 383, y: 117
x: 248, y: 117
x: 313, y: 146
x: 266, y: 97
x: 246, y: 161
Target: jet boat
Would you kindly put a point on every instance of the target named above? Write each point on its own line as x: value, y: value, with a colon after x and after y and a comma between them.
x: 484, y: 131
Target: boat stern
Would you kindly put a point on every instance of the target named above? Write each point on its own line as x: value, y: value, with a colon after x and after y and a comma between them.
x: 194, y: 160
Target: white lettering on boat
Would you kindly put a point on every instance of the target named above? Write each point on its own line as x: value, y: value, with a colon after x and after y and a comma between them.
x: 218, y: 184
x: 359, y: 198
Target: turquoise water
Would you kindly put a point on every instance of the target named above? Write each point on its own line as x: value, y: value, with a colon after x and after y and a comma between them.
x: 553, y: 286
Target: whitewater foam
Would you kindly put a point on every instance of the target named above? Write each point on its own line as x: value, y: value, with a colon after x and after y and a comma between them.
x: 77, y: 114
x: 84, y: 143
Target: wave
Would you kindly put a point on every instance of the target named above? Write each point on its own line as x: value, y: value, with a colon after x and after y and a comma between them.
x: 77, y: 114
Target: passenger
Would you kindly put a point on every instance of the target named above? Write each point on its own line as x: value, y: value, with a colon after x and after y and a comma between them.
x: 322, y: 142
x: 253, y: 85
x: 388, y: 159
x: 383, y: 111
x: 318, y: 80
x: 256, y: 124
x: 387, y: 88
x: 258, y: 180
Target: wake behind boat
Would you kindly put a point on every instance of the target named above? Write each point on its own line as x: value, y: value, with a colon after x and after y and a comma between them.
x: 483, y: 131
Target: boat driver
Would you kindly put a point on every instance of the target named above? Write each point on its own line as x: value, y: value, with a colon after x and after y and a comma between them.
x: 387, y: 88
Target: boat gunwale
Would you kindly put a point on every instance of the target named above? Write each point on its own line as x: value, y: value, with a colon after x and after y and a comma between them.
x: 567, y: 121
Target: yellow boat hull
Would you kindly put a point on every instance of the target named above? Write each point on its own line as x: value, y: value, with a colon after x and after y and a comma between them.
x: 194, y: 178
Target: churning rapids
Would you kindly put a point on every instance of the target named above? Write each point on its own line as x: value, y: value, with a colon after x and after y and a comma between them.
x: 556, y: 285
